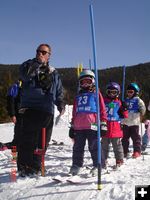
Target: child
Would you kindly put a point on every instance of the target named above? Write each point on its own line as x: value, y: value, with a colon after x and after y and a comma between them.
x: 13, y: 105
x: 136, y: 109
x: 84, y: 118
x: 115, y: 111
x: 146, y: 136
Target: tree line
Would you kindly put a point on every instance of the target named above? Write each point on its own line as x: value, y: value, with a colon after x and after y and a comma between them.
x: 138, y: 73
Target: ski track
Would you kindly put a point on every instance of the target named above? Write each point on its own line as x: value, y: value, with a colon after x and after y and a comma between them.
x: 118, y: 185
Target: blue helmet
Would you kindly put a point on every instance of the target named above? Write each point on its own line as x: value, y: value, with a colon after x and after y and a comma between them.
x: 133, y: 86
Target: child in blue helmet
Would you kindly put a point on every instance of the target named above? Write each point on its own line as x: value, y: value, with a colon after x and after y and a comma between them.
x: 136, y: 109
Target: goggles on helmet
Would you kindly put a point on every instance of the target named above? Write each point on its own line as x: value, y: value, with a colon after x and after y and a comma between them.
x: 110, y: 92
x: 130, y: 92
x: 86, y: 82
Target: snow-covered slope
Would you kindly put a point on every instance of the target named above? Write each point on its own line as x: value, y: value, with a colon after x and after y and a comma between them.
x: 118, y: 185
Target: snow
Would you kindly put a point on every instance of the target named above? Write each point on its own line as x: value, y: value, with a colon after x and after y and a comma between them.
x: 118, y: 185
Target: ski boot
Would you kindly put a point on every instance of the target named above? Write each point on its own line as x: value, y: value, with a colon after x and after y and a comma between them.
x: 74, y: 170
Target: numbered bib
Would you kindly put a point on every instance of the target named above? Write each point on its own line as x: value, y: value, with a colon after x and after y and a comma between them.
x: 132, y: 104
x: 86, y: 103
x: 112, y: 111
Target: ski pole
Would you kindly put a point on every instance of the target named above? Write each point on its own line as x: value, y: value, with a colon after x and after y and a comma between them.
x: 141, y: 138
x: 123, y: 82
x: 43, y: 152
x: 99, y: 187
x: 13, y: 170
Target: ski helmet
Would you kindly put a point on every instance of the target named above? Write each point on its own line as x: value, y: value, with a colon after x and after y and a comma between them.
x: 113, y: 89
x: 86, y: 79
x: 133, y: 86
x: 87, y: 72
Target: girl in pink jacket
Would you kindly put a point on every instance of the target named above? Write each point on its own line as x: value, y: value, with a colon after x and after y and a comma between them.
x: 84, y: 119
x: 116, y: 110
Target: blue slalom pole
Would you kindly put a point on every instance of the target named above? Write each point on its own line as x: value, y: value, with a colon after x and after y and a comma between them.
x: 97, y: 95
x: 90, y: 65
x: 123, y: 82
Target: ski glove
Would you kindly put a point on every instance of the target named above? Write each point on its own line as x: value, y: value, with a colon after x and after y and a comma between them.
x: 71, y: 133
x: 103, y: 127
x: 122, y: 109
x: 45, y: 80
x: 124, y: 106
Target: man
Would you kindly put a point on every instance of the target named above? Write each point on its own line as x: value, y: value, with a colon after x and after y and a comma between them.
x: 41, y: 90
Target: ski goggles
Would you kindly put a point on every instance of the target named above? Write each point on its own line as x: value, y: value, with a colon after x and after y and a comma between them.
x: 86, y: 82
x: 112, y: 92
x: 42, y: 52
x: 130, y: 91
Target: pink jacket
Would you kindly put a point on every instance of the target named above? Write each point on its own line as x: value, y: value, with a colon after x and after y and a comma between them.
x: 114, y: 111
x: 87, y: 120
x: 147, y: 122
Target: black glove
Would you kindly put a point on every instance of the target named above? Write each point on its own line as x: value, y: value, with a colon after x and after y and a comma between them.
x: 103, y: 127
x: 71, y: 133
x: 44, y: 77
x: 44, y: 80
x: 61, y: 107
x: 124, y: 106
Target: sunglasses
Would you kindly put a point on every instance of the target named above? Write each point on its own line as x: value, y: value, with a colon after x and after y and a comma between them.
x: 130, y: 91
x: 42, y: 52
x: 113, y: 92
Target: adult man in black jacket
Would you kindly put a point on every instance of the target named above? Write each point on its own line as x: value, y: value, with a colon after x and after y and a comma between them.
x: 41, y: 90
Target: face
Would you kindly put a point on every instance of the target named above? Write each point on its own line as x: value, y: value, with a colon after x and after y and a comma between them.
x: 43, y: 54
x: 130, y: 93
x: 86, y: 82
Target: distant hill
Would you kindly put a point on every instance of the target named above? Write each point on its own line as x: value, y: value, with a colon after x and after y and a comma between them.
x: 138, y: 73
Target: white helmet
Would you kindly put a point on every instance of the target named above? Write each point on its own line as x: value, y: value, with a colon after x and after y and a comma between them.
x: 86, y: 79
x: 87, y: 72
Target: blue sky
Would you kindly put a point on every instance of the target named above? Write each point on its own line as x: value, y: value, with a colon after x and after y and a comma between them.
x: 122, y: 31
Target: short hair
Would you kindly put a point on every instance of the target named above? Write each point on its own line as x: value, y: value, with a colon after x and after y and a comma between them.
x: 44, y: 44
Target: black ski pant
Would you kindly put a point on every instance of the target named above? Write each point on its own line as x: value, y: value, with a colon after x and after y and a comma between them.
x: 133, y: 132
x: 79, y: 145
x: 31, y: 137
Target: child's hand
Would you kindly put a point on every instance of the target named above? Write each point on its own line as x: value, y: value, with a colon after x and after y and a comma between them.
x: 71, y: 133
x: 103, y: 127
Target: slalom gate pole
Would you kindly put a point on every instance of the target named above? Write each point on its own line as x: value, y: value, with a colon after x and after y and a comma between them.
x: 99, y: 187
x: 78, y: 71
x: 43, y: 151
x: 123, y: 82
x: 13, y: 176
x: 141, y: 139
x: 90, y: 65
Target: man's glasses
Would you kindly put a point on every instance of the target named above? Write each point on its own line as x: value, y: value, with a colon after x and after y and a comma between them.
x: 130, y: 91
x: 42, y: 52
x: 113, y: 92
